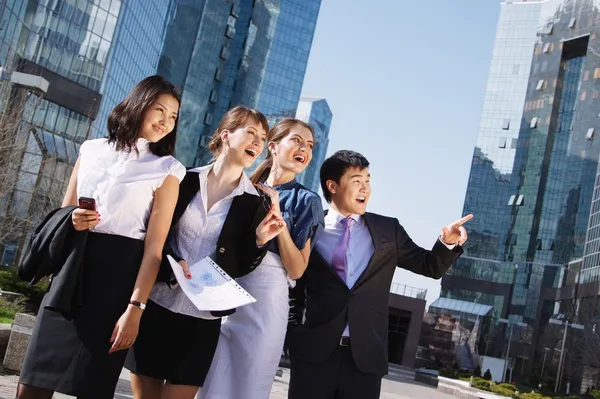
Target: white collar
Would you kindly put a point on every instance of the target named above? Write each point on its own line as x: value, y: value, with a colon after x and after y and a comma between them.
x: 142, y: 144
x: 333, y: 218
x: 245, y: 184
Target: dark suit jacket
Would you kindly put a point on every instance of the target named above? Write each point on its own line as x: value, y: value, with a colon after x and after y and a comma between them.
x: 237, y: 253
x: 330, y: 304
x: 56, y: 249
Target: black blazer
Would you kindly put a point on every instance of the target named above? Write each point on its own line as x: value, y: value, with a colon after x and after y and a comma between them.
x: 237, y: 253
x: 56, y: 248
x: 329, y: 304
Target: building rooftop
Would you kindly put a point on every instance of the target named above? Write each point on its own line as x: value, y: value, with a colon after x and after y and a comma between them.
x: 405, y: 290
x: 456, y: 306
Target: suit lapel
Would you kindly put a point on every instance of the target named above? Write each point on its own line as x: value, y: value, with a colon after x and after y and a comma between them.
x: 376, y: 237
x: 319, y: 259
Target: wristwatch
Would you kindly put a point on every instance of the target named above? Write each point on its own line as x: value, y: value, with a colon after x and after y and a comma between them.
x: 138, y: 304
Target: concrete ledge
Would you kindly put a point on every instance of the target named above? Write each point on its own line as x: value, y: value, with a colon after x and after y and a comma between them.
x: 4, y: 337
x: 11, y: 296
x: 20, y: 335
x: 426, y: 378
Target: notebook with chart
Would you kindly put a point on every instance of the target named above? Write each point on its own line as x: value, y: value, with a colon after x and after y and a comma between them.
x: 210, y: 288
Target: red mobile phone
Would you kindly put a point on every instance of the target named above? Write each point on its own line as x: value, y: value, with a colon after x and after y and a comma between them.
x: 87, y: 203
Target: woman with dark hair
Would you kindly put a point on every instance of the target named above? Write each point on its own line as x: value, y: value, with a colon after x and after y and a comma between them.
x: 219, y: 214
x: 251, y: 341
x: 131, y: 182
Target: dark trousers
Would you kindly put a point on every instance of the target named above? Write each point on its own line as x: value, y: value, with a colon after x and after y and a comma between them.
x: 336, y: 378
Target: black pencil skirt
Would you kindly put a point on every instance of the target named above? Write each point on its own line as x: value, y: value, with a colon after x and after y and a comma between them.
x: 70, y: 355
x: 173, y: 347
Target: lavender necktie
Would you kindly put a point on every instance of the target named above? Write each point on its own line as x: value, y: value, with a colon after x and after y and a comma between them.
x: 338, y: 261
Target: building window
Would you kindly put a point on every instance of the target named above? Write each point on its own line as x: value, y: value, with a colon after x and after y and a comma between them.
x: 229, y: 32
x: 214, y: 96
x: 205, y: 140
x: 208, y: 118
x: 513, y: 143
x: 224, y: 55
x: 520, y: 200
x: 540, y: 85
x: 590, y: 134
x: 10, y: 252
x: 533, y: 123
x: 572, y: 23
x: 549, y: 245
x: 234, y: 11
x: 502, y: 143
x: 547, y: 30
x: 219, y: 75
x: 506, y: 124
x: 546, y: 47
x: 538, y: 245
x: 511, y: 200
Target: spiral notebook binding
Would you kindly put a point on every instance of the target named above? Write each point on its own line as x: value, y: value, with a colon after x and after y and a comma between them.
x: 227, y: 277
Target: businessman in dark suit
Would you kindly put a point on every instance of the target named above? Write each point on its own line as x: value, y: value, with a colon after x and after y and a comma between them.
x: 339, y: 351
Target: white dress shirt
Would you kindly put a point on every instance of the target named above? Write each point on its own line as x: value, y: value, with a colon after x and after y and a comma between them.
x: 360, y: 248
x: 123, y: 184
x: 196, y: 236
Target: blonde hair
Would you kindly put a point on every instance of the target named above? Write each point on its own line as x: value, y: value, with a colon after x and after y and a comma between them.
x: 233, y: 119
x: 276, y: 134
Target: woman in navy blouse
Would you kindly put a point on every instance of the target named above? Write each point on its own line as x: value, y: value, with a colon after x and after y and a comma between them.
x: 251, y: 341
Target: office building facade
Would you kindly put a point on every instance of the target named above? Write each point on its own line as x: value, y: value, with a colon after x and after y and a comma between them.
x: 67, y: 43
x: 317, y: 113
x: 250, y: 52
x: 533, y: 170
x: 92, y: 52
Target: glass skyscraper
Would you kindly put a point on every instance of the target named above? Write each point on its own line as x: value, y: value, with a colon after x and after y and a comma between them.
x: 317, y: 113
x: 67, y: 43
x: 92, y: 52
x: 250, y: 52
x: 140, y: 34
x: 533, y: 170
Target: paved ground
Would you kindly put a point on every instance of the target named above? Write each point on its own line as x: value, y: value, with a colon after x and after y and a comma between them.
x: 397, y: 385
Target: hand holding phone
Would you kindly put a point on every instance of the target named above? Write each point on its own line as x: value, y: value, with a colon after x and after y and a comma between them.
x: 86, y: 216
x: 87, y: 203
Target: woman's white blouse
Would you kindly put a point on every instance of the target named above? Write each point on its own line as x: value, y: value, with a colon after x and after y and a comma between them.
x: 123, y: 184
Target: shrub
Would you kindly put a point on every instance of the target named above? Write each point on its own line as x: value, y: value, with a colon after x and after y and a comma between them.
x: 500, y: 390
x: 480, y: 383
x: 532, y: 395
x: 510, y: 387
x: 477, y: 371
x: 487, y: 375
x: 8, y: 309
x: 595, y: 394
x: 10, y: 281
x: 448, y: 372
x: 464, y: 375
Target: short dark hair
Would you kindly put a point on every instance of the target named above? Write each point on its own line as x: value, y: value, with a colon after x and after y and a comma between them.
x: 125, y: 121
x: 334, y: 167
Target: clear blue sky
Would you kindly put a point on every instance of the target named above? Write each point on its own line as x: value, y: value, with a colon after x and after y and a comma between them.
x: 406, y: 81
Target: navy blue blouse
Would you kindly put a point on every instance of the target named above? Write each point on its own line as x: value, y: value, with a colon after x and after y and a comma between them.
x: 303, y: 213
